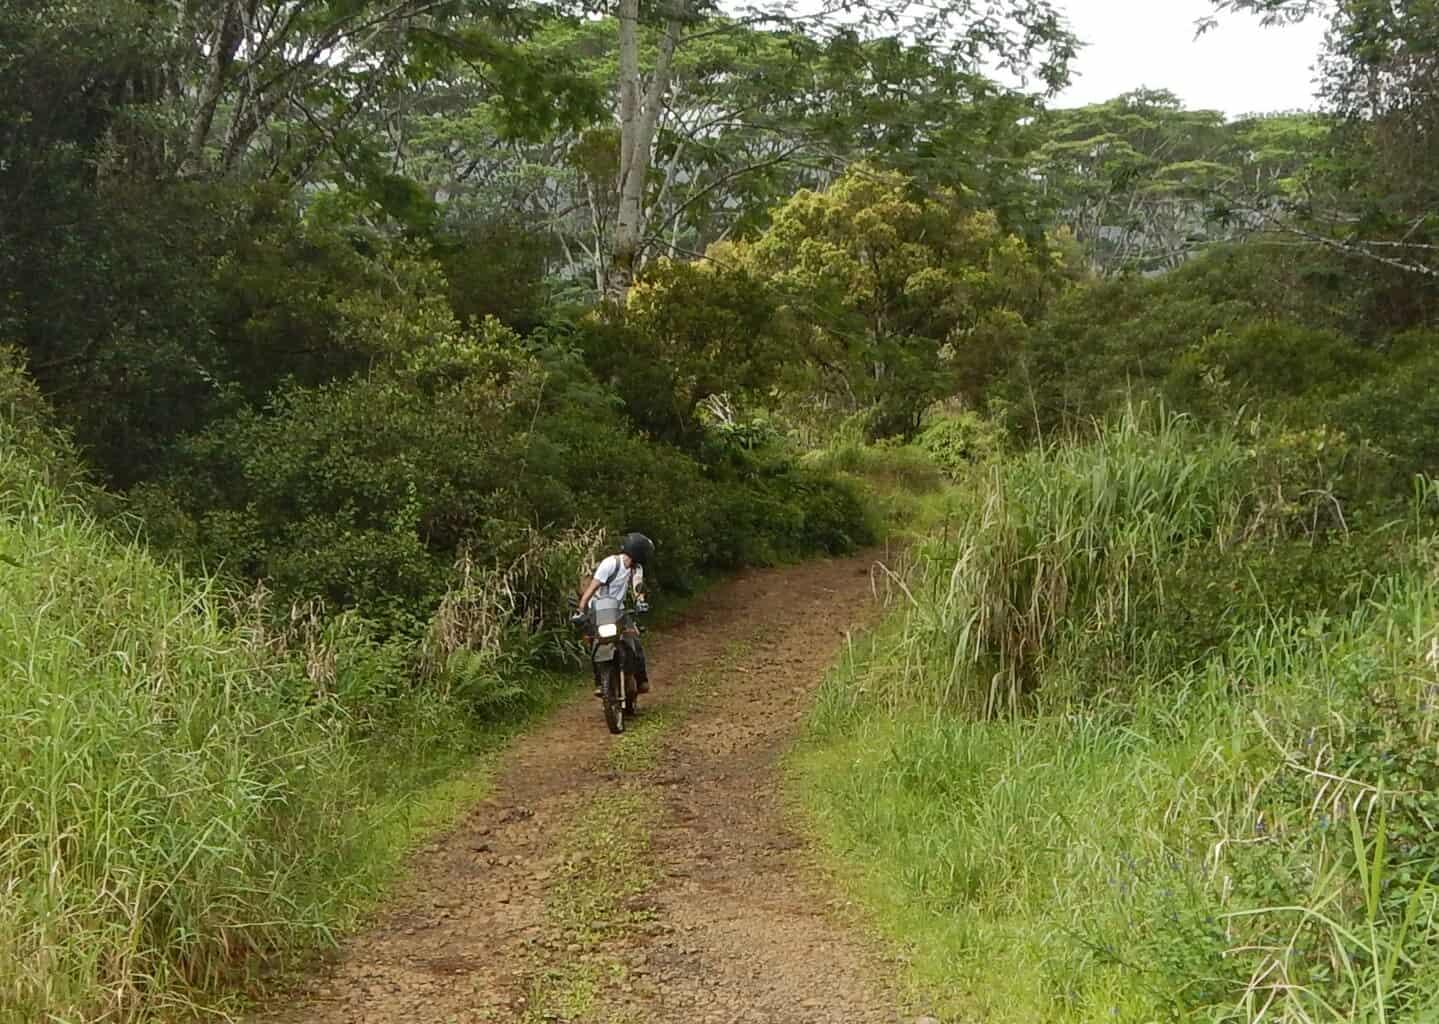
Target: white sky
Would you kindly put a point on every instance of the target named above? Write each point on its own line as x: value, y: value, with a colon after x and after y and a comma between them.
x: 1239, y: 68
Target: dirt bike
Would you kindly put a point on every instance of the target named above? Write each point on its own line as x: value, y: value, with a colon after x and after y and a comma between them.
x: 611, y: 632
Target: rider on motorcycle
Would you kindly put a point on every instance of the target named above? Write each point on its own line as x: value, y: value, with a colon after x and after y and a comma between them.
x: 613, y: 578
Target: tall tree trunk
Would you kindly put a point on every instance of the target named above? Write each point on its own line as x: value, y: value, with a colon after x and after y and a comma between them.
x: 223, y: 48
x: 639, y: 119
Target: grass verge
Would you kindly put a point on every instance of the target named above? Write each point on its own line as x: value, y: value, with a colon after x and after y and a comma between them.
x: 191, y: 802
x: 1210, y: 788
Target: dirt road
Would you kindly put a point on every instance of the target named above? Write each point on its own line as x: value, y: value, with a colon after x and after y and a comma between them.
x: 529, y: 910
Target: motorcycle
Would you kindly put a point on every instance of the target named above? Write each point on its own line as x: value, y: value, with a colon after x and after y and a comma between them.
x: 611, y: 631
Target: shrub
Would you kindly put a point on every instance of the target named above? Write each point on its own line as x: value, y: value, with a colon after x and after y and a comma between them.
x: 362, y: 493
x: 1272, y: 367
x: 366, y: 493
x: 959, y: 442
x: 1071, y: 539
x: 1238, y: 328
x: 1395, y: 409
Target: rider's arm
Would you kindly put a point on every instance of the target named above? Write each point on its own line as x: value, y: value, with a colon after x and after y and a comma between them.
x: 637, y: 581
x: 588, y: 593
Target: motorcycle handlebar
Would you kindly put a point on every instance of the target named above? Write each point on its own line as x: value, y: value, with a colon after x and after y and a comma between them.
x: 579, y: 618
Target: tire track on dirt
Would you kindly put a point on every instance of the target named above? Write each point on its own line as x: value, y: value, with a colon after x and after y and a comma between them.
x: 732, y: 927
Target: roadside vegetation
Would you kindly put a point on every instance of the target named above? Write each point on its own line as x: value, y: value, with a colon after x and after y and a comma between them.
x: 188, y: 787
x: 1150, y: 736
x: 339, y: 339
x: 1149, y: 733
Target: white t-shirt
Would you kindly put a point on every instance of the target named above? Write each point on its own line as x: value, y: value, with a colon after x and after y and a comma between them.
x: 615, y: 577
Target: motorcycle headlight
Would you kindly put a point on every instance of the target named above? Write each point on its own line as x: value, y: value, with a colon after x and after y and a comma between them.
x: 609, y: 630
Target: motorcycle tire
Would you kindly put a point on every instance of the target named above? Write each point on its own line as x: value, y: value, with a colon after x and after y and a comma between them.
x: 614, y: 695
x: 632, y: 693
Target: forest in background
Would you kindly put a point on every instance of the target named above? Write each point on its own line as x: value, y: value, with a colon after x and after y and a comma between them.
x: 387, y: 315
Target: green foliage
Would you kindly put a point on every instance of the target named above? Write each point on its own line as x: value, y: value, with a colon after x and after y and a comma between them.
x: 161, y: 312
x: 1268, y: 362
x: 896, y: 299
x: 366, y: 493
x: 1244, y: 330
x: 1142, y: 183
x: 362, y: 493
x: 957, y: 442
x: 495, y: 269
x: 1395, y: 409
x: 691, y: 332
x: 29, y: 426
x: 758, y: 107
x: 185, y: 789
x: 1244, y: 687
x: 1377, y: 82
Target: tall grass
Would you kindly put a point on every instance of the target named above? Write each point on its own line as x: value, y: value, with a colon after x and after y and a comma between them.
x: 1067, y: 537
x: 161, y: 784
x: 497, y: 622
x: 186, y: 786
x: 1151, y: 736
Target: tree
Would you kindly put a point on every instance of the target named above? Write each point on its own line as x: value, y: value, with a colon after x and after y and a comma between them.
x: 899, y: 298
x: 1143, y: 183
x: 695, y: 331
x: 1129, y: 177
x: 715, y: 119
x: 211, y: 88
x: 1026, y: 37
x: 1375, y: 195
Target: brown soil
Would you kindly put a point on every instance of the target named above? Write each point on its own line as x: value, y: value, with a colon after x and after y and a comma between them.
x: 734, y: 925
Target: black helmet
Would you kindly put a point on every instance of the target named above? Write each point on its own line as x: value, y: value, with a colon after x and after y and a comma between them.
x: 639, y: 547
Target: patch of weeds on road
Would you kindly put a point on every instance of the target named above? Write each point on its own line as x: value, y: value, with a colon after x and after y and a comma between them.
x: 564, y: 993
x: 606, y: 866
x: 639, y: 749
x: 595, y: 901
x: 739, y: 650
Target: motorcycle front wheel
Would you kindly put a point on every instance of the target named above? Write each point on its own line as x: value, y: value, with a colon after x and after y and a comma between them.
x: 614, y: 695
x: 632, y: 695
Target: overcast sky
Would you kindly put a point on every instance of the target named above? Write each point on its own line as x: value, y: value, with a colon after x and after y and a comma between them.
x: 1238, y: 68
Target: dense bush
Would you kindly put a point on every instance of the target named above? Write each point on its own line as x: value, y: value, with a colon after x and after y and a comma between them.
x: 362, y: 492
x: 690, y: 332
x: 1221, y: 338
x: 196, y: 300
x: 366, y: 492
x: 1396, y: 409
x: 1102, y: 343
x: 1079, y: 537
x: 892, y: 299
x: 958, y: 442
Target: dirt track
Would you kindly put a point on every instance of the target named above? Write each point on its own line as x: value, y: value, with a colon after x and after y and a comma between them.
x: 730, y: 925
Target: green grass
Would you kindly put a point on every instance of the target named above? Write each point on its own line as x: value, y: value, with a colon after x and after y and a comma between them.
x: 639, y: 749
x: 592, y: 905
x: 193, y: 799
x: 1210, y: 789
x: 905, y: 492
x: 186, y: 796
